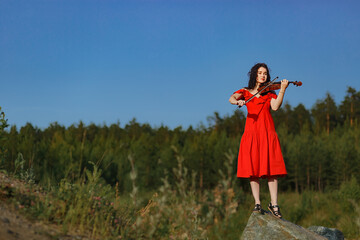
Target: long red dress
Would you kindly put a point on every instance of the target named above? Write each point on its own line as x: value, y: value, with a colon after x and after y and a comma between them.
x: 260, y: 152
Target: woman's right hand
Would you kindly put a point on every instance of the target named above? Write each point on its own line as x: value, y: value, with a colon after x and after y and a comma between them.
x: 240, y: 103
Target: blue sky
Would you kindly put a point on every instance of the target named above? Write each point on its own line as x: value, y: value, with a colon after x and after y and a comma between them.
x: 167, y: 62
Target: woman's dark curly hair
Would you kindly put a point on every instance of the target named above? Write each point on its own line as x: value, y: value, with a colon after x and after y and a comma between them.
x: 253, y: 74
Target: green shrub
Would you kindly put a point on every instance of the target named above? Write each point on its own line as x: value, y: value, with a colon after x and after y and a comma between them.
x: 350, y: 189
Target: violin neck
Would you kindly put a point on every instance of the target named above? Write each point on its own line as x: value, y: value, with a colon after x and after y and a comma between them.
x: 293, y: 82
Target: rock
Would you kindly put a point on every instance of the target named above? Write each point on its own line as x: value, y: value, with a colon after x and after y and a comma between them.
x: 329, y: 233
x: 266, y: 226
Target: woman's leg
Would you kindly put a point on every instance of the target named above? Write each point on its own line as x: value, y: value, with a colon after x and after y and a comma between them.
x: 255, y: 189
x: 273, y: 188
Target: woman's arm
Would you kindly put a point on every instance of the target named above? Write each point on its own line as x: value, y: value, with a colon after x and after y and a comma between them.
x: 276, y: 103
x: 234, y: 99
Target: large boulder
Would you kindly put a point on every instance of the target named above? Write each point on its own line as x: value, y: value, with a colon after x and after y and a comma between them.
x: 266, y: 226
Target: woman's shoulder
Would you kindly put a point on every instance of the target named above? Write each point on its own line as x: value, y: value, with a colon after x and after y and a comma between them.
x: 242, y: 91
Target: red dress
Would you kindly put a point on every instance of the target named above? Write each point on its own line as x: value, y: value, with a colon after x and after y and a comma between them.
x: 260, y: 152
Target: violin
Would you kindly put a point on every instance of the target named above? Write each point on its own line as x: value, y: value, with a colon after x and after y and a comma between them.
x: 270, y: 86
x: 265, y: 87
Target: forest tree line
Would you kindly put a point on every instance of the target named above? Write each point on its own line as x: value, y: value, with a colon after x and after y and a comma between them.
x: 320, y: 146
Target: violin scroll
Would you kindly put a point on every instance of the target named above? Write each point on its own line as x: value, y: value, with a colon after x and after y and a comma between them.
x: 297, y: 83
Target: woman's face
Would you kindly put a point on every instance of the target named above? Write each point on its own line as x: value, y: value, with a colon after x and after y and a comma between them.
x: 261, y: 75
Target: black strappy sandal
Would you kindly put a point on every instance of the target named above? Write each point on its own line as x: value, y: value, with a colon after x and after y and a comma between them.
x: 257, y: 208
x: 276, y: 213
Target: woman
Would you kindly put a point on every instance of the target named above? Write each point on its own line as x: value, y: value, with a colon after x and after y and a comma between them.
x: 260, y: 153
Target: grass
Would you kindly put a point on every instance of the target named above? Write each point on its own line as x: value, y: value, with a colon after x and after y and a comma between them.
x: 97, y: 211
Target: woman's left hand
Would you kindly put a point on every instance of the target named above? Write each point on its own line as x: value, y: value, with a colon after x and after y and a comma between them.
x: 284, y: 84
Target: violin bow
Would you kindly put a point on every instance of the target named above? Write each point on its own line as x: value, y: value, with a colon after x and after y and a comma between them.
x: 270, y: 83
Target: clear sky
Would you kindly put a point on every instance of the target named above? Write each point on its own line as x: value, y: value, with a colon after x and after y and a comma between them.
x: 170, y: 62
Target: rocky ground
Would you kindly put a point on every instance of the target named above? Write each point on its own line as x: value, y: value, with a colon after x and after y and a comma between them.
x: 13, y: 225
